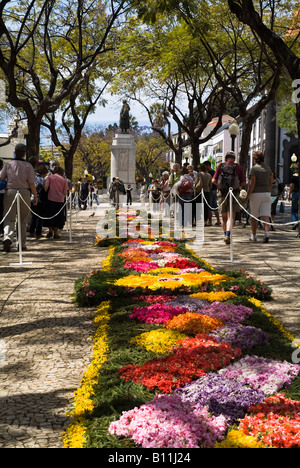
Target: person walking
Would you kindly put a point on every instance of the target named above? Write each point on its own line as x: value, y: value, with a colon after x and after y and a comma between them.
x: 228, y: 175
x: 20, y: 177
x: 212, y: 198
x: 57, y: 187
x: 129, y: 194
x: 276, y: 192
x: 259, y: 195
x: 119, y: 192
x: 155, y: 195
x: 36, y: 223
x: 84, y: 193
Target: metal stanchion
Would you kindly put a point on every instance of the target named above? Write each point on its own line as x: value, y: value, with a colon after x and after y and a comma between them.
x: 70, y: 221
x: 231, y: 228
x: 21, y: 263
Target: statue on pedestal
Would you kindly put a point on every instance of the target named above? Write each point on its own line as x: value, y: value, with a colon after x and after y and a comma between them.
x: 124, y: 117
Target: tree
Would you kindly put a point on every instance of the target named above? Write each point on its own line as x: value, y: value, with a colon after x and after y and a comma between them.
x: 151, y: 152
x: 281, y: 41
x: 169, y: 73
x: 244, y: 68
x: 48, y: 47
x: 93, y: 154
x: 76, y: 109
x: 282, y: 45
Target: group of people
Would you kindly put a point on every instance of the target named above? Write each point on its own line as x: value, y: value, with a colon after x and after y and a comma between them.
x: 259, y: 194
x: 43, y: 198
x: 45, y: 192
x: 117, y: 189
x: 84, y: 192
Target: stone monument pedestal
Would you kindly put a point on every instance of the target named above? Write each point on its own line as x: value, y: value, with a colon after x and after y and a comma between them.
x: 123, y: 159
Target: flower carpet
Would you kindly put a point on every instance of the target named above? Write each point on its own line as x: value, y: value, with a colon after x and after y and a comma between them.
x: 184, y: 356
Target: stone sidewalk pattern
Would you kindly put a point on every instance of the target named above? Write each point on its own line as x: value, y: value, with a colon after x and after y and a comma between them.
x: 45, y: 339
x: 276, y: 263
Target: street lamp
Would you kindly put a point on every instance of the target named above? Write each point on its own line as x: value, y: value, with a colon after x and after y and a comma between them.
x: 294, y: 161
x: 234, y: 130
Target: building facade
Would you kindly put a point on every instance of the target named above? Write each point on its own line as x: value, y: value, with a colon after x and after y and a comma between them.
x: 275, y: 142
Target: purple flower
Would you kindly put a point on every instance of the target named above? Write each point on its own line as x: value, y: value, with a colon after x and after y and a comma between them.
x: 227, y: 312
x: 191, y: 303
x: 245, y: 337
x: 222, y: 396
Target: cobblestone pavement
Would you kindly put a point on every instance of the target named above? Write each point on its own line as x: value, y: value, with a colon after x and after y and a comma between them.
x: 45, y: 340
x: 276, y: 263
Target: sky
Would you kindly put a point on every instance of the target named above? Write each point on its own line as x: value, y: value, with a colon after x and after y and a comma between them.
x: 110, y: 114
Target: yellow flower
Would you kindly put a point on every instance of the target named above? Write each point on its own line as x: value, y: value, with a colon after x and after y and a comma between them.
x: 158, y: 341
x: 165, y: 270
x: 214, y: 296
x: 74, y: 437
x: 168, y: 281
x: 274, y: 320
x: 189, y: 249
x: 106, y: 264
x: 83, y: 402
x: 237, y: 439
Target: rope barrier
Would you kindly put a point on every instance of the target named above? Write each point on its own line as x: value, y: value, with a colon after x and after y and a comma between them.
x: 69, y: 199
x: 9, y: 209
x: 261, y: 221
x: 17, y: 199
x: 41, y: 217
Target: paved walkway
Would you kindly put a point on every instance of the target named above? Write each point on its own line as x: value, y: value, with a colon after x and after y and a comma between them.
x: 45, y: 340
x: 276, y: 263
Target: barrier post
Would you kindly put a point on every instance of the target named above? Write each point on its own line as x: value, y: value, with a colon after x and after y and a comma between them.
x: 70, y: 222
x: 230, y: 194
x: 19, y: 235
x: 231, y: 223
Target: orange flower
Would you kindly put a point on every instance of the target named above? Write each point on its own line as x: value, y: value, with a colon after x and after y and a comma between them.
x: 193, y: 323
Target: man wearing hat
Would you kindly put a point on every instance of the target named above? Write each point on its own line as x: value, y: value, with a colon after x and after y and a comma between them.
x: 20, y: 177
x: 228, y: 175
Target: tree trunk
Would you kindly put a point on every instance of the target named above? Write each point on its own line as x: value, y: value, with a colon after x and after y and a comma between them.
x: 33, y: 138
x: 69, y: 165
x: 195, y: 153
x: 245, y: 143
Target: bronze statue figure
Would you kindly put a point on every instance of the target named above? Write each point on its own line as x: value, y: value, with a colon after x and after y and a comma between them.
x: 124, y: 117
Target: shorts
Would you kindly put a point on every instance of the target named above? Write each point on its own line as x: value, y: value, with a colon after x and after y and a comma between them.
x: 224, y: 204
x: 260, y: 204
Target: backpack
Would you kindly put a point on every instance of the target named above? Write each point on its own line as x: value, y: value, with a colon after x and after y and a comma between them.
x: 228, y: 178
x: 186, y: 186
x: 2, y: 185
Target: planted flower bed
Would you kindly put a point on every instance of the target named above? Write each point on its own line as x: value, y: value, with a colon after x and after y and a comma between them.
x: 182, y: 358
